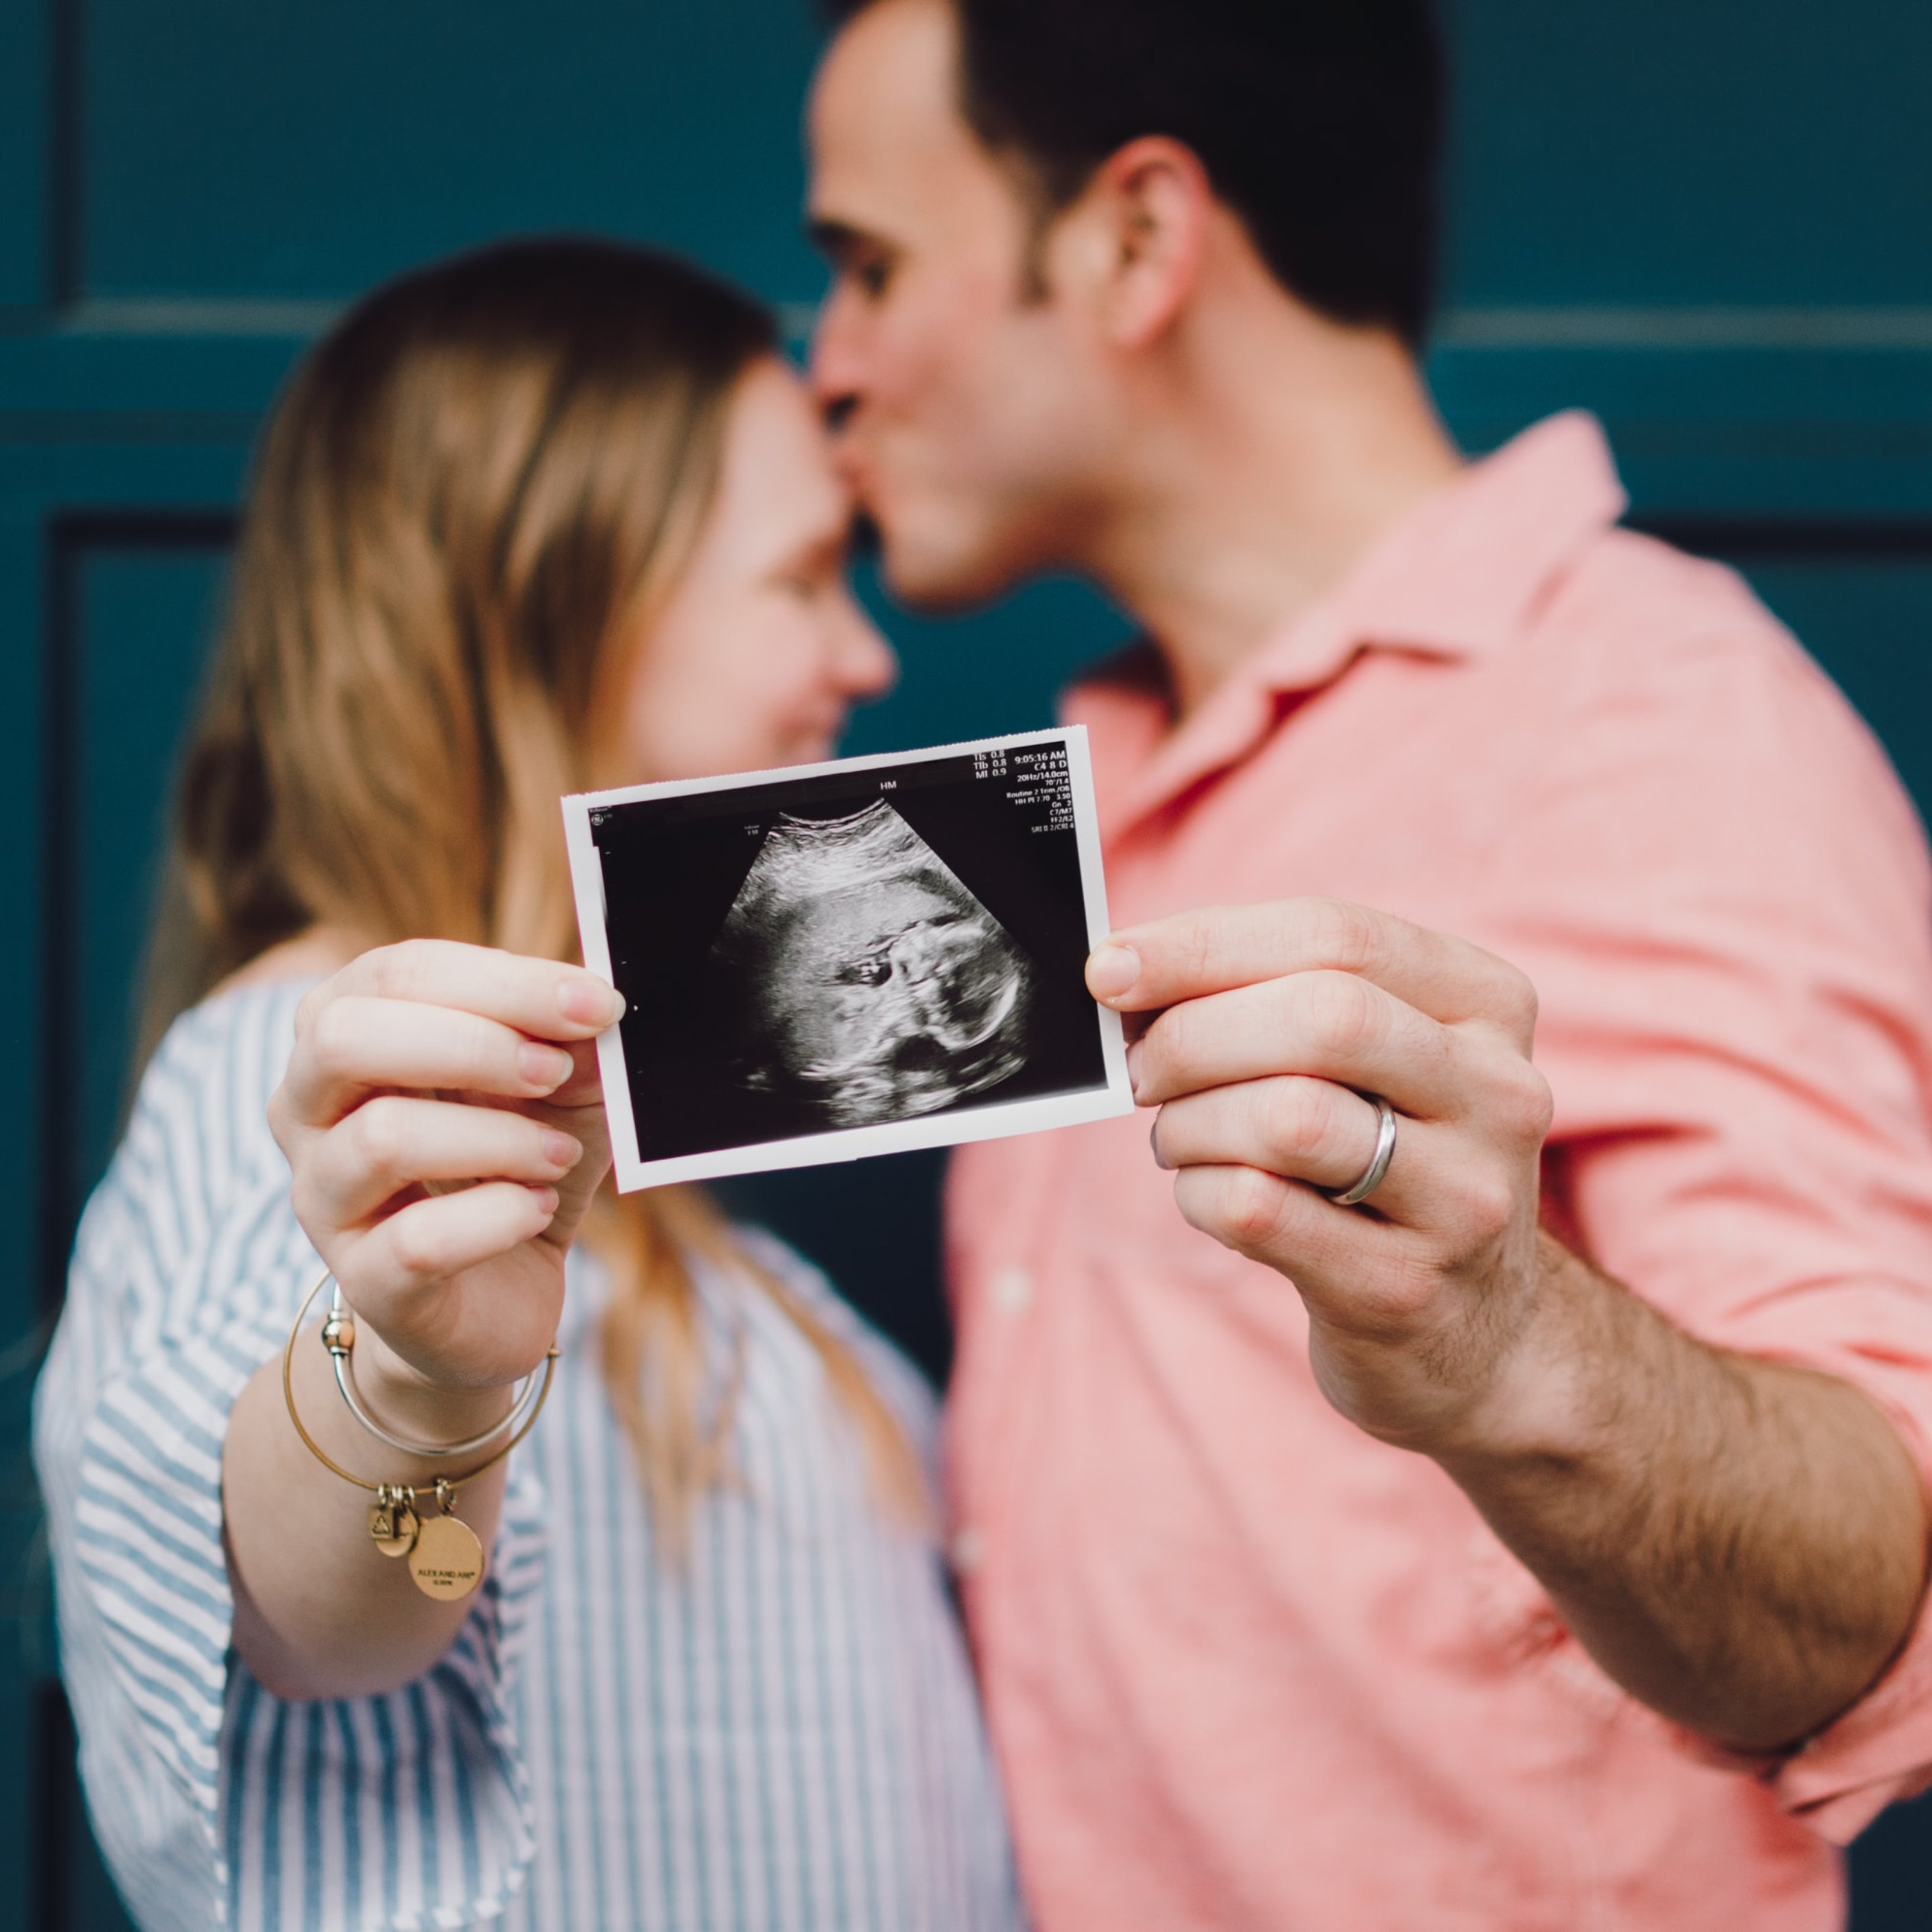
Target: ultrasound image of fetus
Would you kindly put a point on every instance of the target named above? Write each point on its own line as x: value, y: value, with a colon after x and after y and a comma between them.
x: 874, y: 985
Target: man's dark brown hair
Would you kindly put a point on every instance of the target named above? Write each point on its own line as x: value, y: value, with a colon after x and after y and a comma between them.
x: 1318, y: 121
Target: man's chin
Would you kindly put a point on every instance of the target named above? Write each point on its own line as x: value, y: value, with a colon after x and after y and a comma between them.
x: 938, y: 581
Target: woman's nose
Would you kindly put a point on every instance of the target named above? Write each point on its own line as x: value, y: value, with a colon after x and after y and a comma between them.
x: 862, y: 661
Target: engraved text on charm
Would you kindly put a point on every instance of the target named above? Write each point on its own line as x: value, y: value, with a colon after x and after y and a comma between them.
x: 447, y: 1561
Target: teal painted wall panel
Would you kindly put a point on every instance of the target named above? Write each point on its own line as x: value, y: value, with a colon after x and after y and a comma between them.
x: 1755, y: 151
x: 25, y: 1645
x: 238, y: 148
x: 145, y: 611
x: 1651, y: 151
x: 26, y: 206
x: 1869, y: 621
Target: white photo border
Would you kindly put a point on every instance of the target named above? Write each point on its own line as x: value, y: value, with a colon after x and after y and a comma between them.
x: 950, y: 1129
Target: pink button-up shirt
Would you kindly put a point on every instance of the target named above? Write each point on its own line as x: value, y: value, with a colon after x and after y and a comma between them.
x: 1246, y: 1667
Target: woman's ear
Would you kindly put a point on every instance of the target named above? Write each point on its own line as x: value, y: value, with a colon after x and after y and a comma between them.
x: 1140, y: 226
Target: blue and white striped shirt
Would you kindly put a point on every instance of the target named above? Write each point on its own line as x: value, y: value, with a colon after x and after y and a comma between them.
x: 782, y: 1732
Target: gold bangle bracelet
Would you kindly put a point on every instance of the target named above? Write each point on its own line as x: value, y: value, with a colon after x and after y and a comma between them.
x: 338, y: 1337
x: 446, y: 1556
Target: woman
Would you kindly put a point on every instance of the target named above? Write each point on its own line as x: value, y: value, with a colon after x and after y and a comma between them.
x: 549, y: 517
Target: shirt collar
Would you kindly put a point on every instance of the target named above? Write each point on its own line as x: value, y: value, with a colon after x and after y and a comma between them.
x: 1456, y: 577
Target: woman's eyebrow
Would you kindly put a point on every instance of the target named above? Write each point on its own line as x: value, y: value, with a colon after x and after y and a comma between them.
x: 824, y: 552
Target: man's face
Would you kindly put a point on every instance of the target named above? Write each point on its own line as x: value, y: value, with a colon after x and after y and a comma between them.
x: 969, y: 409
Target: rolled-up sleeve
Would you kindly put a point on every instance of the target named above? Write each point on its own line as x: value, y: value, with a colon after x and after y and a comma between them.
x: 216, y: 1803
x: 1732, y: 937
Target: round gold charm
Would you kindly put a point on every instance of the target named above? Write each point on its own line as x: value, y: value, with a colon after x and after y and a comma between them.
x: 447, y: 1561
x: 393, y: 1528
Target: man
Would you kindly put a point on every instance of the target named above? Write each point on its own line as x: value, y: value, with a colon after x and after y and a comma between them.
x: 1551, y: 1552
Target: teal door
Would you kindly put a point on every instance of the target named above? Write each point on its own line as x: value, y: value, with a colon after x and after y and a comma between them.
x: 1709, y: 220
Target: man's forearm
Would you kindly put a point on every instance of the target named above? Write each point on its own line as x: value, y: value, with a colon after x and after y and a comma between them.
x: 1739, y: 1543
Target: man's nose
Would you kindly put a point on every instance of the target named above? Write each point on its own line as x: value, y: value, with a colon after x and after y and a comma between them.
x: 833, y: 367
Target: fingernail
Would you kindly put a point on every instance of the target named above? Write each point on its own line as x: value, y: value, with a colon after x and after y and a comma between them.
x: 561, y: 1149
x: 1134, y: 1068
x: 1153, y: 1141
x: 546, y: 1198
x: 589, y: 1002
x: 544, y: 1067
x: 1112, y: 970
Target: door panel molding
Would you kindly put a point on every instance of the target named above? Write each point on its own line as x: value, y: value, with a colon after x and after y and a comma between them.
x: 73, y: 539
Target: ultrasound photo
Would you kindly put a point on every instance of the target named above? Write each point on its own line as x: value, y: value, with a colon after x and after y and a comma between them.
x: 849, y: 958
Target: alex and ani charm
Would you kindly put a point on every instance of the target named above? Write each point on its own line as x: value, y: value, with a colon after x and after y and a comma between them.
x: 447, y: 1560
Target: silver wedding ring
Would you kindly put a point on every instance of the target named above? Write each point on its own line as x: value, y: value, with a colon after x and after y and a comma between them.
x: 1378, y: 1168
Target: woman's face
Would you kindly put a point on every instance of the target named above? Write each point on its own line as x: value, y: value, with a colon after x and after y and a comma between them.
x: 760, y: 650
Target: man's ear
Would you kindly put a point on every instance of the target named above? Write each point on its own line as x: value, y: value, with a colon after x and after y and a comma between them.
x: 1142, y: 222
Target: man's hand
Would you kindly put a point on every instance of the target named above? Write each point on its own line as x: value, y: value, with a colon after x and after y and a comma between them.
x: 1274, y: 1021
x: 1740, y: 1544
x: 442, y: 1117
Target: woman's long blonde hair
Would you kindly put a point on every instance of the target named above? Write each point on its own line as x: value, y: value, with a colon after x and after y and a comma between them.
x: 463, y: 510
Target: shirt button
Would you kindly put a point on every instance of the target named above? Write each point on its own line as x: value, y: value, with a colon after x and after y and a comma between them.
x: 969, y: 1550
x: 1012, y: 1289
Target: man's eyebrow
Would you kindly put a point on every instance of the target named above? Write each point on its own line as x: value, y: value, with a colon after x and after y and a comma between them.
x: 837, y: 239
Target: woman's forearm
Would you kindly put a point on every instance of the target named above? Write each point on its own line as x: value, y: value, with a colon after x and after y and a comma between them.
x: 320, y: 1612
x: 443, y: 1121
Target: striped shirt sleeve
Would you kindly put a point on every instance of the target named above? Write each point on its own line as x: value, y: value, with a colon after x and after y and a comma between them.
x: 216, y: 1803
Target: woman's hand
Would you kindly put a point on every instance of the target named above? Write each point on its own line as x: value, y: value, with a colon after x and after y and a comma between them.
x: 442, y: 1117
x: 443, y: 1121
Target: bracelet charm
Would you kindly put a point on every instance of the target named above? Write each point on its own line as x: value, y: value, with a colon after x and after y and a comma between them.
x: 392, y: 1520
x: 447, y: 1561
